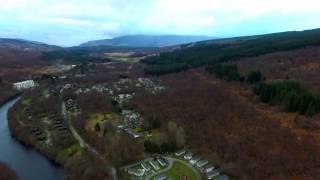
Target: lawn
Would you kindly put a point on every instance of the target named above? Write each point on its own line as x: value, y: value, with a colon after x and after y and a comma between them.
x: 126, y: 57
x: 178, y: 170
x: 67, y: 152
x: 26, y: 101
x: 137, y: 129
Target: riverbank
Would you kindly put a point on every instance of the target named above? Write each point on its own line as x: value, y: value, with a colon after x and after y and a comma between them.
x: 24, y: 140
x: 30, y: 146
x: 36, y: 122
x: 25, y: 161
x: 20, y: 140
x: 10, y: 98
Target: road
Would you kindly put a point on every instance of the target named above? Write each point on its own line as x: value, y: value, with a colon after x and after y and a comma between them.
x: 84, y: 144
x: 171, y: 161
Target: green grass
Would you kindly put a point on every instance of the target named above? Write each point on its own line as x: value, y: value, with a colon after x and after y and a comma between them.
x: 102, y: 119
x: 26, y: 101
x: 96, y: 117
x: 66, y: 153
x: 178, y: 170
x: 125, y: 57
x: 137, y: 129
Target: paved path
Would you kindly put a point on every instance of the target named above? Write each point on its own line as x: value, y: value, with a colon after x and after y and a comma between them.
x: 84, y: 144
x: 171, y: 161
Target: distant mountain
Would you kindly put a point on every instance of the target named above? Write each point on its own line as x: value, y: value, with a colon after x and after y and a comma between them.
x: 24, y: 45
x: 147, y: 40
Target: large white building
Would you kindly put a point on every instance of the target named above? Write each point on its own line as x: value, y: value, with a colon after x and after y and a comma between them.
x: 24, y: 85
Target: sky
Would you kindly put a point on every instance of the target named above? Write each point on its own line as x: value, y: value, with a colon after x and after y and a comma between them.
x: 71, y: 22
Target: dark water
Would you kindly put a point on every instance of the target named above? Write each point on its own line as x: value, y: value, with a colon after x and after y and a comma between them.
x: 28, y: 164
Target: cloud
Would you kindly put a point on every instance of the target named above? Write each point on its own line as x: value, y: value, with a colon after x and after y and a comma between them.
x: 83, y: 20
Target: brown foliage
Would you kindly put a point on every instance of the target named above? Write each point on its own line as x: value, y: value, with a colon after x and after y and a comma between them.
x: 87, y: 166
x: 94, y: 102
x: 302, y: 64
x: 219, y: 122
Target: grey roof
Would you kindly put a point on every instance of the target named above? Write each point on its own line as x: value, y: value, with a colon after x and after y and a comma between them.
x: 180, y: 152
x: 213, y: 173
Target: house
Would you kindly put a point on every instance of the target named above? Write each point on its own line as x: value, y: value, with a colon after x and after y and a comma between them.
x: 180, y: 152
x: 162, y: 162
x: 133, y: 134
x: 24, y: 85
x: 188, y: 156
x: 136, y: 172
x: 194, y: 160
x: 202, y: 163
x: 154, y: 165
x: 146, y: 166
x: 160, y: 177
x: 208, y: 168
x: 212, y: 174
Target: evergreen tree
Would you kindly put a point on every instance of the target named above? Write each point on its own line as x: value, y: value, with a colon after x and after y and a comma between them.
x: 254, y: 77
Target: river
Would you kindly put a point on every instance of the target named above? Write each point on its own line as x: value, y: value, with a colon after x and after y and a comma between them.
x: 26, y: 162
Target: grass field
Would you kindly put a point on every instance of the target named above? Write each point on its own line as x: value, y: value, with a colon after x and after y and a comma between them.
x: 66, y: 153
x: 101, y: 119
x: 125, y: 57
x: 26, y: 101
x: 179, y: 170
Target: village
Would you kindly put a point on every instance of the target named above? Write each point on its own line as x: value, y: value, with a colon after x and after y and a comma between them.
x: 182, y: 164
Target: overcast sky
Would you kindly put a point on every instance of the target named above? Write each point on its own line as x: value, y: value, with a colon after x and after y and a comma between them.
x: 70, y: 22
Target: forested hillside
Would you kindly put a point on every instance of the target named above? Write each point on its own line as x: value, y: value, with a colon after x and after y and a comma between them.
x: 217, y: 51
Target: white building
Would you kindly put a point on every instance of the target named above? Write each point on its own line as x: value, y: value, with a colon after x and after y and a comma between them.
x: 194, y: 160
x: 24, y: 85
x: 202, y: 163
x: 180, y: 152
x: 212, y: 174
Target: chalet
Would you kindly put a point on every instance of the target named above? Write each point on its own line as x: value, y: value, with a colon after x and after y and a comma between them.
x: 202, y: 163
x: 188, y: 156
x: 133, y: 134
x: 160, y: 177
x: 212, y: 174
x: 67, y: 86
x: 154, y: 165
x: 57, y: 122
x: 146, y: 166
x: 136, y: 172
x: 180, y: 152
x: 24, y: 85
x: 194, y: 160
x: 208, y: 168
x: 162, y: 162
